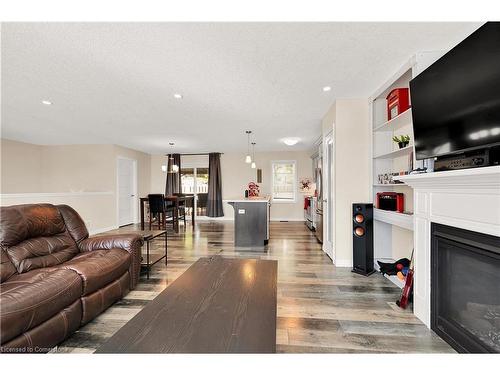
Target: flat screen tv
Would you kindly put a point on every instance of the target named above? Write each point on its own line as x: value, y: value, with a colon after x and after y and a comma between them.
x: 456, y: 101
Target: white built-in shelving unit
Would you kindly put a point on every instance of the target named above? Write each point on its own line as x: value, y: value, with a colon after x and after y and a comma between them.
x: 393, y: 231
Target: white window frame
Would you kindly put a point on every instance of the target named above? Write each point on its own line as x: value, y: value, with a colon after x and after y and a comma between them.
x: 294, y: 199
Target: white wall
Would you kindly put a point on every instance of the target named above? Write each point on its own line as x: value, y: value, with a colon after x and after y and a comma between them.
x: 349, y: 120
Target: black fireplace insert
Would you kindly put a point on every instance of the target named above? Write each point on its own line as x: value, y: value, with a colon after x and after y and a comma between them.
x: 465, y: 289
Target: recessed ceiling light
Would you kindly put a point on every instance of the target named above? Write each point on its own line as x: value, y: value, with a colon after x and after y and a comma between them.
x: 178, y: 96
x: 290, y: 141
x: 326, y: 88
x: 46, y: 102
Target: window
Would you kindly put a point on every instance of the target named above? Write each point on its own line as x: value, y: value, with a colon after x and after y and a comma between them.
x: 284, y: 181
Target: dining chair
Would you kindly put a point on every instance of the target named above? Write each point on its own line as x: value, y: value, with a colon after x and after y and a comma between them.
x: 182, y: 208
x: 158, y: 209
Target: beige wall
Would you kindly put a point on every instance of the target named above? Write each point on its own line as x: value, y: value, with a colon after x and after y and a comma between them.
x: 349, y: 120
x: 20, y: 167
x: 83, y: 176
x: 236, y: 175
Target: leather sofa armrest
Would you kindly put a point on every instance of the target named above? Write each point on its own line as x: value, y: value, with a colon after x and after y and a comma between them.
x: 129, y: 242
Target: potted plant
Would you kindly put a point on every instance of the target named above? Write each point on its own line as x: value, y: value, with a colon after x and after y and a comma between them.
x: 402, y: 140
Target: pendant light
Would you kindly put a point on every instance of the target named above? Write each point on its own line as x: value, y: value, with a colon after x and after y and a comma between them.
x: 253, y: 156
x: 172, y: 167
x: 248, y: 158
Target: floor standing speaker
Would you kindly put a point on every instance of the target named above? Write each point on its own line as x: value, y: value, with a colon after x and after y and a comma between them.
x: 362, y: 238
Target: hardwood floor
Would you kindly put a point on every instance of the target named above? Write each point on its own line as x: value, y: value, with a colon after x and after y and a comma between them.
x: 321, y: 308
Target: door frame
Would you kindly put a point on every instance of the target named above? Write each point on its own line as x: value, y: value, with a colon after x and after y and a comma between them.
x: 329, y: 227
x: 135, y: 200
x: 195, y: 194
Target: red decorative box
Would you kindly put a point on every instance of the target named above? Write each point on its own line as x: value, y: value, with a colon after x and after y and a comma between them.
x: 398, y: 101
x: 391, y: 201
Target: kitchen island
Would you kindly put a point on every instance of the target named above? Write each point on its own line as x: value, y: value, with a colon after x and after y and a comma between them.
x: 251, y: 222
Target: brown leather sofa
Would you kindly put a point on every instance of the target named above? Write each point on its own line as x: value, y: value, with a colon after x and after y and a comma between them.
x: 54, y: 278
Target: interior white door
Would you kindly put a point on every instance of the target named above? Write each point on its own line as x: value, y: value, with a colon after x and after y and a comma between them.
x: 126, y: 191
x: 328, y: 197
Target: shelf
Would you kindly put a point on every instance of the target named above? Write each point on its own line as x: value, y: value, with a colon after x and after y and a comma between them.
x: 394, y: 218
x: 396, y: 123
x: 389, y: 185
x: 393, y: 279
x: 397, y: 153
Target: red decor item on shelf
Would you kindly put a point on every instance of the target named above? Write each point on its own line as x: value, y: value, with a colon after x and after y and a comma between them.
x: 391, y: 201
x: 398, y: 101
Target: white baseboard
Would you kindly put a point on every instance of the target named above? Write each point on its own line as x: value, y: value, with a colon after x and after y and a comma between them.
x: 102, y: 230
x: 343, y: 263
x: 286, y: 219
x: 206, y: 218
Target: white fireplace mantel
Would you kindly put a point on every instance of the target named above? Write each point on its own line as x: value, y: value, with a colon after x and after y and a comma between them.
x: 467, y: 199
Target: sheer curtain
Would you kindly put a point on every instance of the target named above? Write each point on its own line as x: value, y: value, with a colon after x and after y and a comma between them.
x: 214, y: 200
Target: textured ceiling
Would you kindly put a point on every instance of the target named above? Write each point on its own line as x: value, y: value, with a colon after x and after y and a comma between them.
x: 114, y: 82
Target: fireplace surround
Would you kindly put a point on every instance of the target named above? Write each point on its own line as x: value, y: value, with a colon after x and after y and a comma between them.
x: 467, y: 199
x: 465, y: 288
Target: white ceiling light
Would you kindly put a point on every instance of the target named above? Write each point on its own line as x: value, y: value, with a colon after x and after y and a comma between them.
x: 46, y: 102
x: 326, y: 88
x: 290, y: 141
x: 178, y: 96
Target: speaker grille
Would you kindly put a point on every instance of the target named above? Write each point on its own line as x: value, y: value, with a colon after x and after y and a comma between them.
x: 359, y: 218
x: 358, y: 231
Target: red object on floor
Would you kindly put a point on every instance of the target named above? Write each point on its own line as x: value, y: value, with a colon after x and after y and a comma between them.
x: 398, y: 101
x: 306, y: 203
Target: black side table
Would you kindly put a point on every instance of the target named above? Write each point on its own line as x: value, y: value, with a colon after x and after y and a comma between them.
x: 152, y: 259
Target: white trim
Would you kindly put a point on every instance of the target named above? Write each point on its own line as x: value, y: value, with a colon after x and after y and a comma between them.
x: 62, y: 194
x: 280, y: 201
x: 286, y: 219
x: 221, y: 218
x: 102, y: 230
x: 135, y: 189
x: 343, y: 263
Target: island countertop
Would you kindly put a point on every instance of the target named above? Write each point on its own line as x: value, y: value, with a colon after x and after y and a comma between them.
x: 249, y: 199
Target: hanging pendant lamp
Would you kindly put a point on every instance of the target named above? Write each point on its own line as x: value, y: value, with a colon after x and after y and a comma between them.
x: 253, y: 156
x: 172, y: 167
x: 248, y: 158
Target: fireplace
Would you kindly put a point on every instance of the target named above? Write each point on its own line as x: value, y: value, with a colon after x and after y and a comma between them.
x: 465, y: 288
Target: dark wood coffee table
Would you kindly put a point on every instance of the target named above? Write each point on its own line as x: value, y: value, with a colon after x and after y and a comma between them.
x: 219, y: 305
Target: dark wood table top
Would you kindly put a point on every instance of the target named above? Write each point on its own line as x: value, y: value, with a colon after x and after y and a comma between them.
x: 150, y: 234
x: 219, y: 305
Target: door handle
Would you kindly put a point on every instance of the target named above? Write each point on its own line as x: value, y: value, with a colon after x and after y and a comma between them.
x: 133, y: 195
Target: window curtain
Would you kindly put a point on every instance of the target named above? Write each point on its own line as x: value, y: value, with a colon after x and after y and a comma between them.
x: 214, y: 199
x: 173, y: 182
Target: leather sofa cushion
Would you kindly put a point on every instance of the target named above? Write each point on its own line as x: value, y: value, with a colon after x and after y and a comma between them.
x: 74, y: 223
x: 95, y: 303
x: 99, y: 267
x: 7, y: 269
x: 41, y: 252
x: 45, y: 336
x: 31, y: 298
x: 21, y: 222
